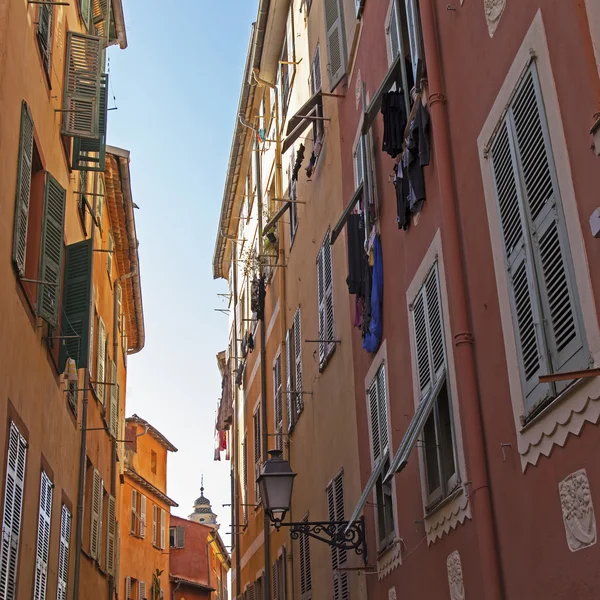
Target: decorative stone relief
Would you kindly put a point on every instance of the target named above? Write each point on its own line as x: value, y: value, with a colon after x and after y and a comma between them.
x: 455, y: 576
x: 392, y: 593
x: 493, y: 12
x: 358, y: 90
x: 578, y: 511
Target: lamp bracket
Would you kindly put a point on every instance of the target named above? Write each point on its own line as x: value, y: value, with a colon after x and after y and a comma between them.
x: 345, y: 535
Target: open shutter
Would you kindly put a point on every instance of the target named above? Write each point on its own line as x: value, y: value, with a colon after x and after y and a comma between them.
x: 134, y: 516
x: 13, y: 505
x: 100, y: 519
x: 76, y: 304
x: 393, y: 33
x: 305, y: 567
x: 335, y: 503
x: 550, y: 246
x: 109, y: 254
x: 289, y: 361
x: 95, y: 514
x: 163, y: 528
x: 257, y: 453
x: 336, y: 42
x: 113, y: 424
x: 44, y: 33
x: 277, y: 392
x: 328, y: 281
x: 154, y: 524
x: 111, y: 536
x: 142, y: 515
x: 128, y: 588
x: 23, y: 190
x: 321, y: 302
x: 82, y: 85
x: 43, y: 539
x: 119, y: 295
x: 374, y: 421
x: 316, y: 71
x: 414, y: 35
x: 283, y: 575
x: 298, y: 362
x: 100, y: 361
x: 89, y: 154
x: 142, y: 590
x: 51, y: 256
x: 63, y: 553
x: 245, y: 479
x: 86, y: 11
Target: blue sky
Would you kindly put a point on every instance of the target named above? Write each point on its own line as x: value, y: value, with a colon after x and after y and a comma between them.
x: 177, y: 89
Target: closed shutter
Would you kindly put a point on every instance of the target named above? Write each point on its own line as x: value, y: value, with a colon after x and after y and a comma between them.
x: 335, y: 504
x: 76, y: 305
x: 298, y: 362
x: 100, y: 361
x: 13, y: 505
x: 82, y: 85
x: 289, y: 361
x: 100, y: 520
x: 128, y: 588
x: 96, y: 507
x: 89, y: 154
x: 378, y: 416
x: 277, y: 392
x: 544, y: 301
x: 113, y: 424
x: 111, y: 538
x: 414, y: 35
x: 325, y: 291
x: 275, y: 579
x: 257, y: 453
x: 43, y: 539
x: 23, y: 191
x: 51, y: 255
x: 63, y: 553
x: 163, y: 528
x: 245, y: 479
x: 305, y: 567
x: 180, y: 537
x: 336, y: 42
x: 142, y: 515
x: 154, y: 524
x: 142, y: 590
x: 134, y: 516
x: 44, y: 34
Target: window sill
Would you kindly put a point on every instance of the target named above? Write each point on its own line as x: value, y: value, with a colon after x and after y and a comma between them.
x: 389, y: 559
x: 447, y: 514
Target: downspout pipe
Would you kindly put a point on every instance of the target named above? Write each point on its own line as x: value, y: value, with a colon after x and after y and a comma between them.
x: 235, y: 455
x: 463, y: 339
x: 176, y: 588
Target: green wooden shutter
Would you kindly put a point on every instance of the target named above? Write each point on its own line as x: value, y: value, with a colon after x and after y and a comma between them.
x: 82, y: 86
x: 76, y: 304
x: 51, y: 258
x: 111, y: 536
x: 44, y: 33
x: 551, y: 251
x: 90, y: 154
x: 336, y: 42
x: 86, y: 11
x: 23, y: 190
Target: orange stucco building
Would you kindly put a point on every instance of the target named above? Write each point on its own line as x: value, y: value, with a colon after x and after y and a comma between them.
x: 144, y: 513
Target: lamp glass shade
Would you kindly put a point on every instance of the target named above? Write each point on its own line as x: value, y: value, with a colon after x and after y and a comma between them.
x: 276, y: 483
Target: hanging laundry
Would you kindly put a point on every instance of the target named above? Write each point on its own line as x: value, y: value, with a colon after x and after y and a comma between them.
x: 417, y: 156
x: 311, y: 165
x: 239, y: 375
x: 372, y: 339
x: 393, y: 109
x: 245, y: 346
x: 250, y: 341
x: 222, y: 440
x: 262, y: 292
x: 402, y: 192
x: 298, y: 163
x: 356, y: 240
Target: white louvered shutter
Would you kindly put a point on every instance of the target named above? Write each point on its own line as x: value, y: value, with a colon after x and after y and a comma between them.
x: 128, y: 588
x: 393, y: 32
x: 43, y: 539
x: 113, y: 423
x: 63, y: 553
x: 321, y: 302
x: 163, y: 528
x: 414, y: 34
x: 142, y: 515
x: 325, y: 285
x: 289, y: 366
x: 378, y: 416
x: 298, y: 362
x: 134, y: 515
x: 81, y: 101
x: 154, y: 524
x: 95, y: 514
x: 335, y: 503
x: 278, y: 397
x: 336, y: 42
x: 180, y: 537
x: 315, y: 71
x: 111, y: 533
x: 13, y: 505
x: 257, y: 453
x: 100, y: 360
x: 544, y: 301
x: 141, y: 590
x: 305, y: 567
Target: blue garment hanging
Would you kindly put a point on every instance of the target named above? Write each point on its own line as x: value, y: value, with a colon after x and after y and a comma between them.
x: 372, y: 339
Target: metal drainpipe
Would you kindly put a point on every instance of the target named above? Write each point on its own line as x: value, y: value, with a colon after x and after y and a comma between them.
x: 234, y: 454
x: 176, y: 588
x: 84, y: 411
x: 463, y: 340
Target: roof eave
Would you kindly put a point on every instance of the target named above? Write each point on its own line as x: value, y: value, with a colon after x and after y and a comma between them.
x: 119, y: 15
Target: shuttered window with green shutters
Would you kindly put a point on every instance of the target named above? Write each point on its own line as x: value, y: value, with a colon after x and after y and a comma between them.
x: 336, y: 42
x: 81, y: 104
x: 76, y: 304
x: 44, y: 36
x: 23, y: 191
x: 545, y: 305
x: 51, y: 255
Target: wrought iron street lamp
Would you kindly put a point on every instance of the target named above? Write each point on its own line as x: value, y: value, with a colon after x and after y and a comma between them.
x: 276, y: 482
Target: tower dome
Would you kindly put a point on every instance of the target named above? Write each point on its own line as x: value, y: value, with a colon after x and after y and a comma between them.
x: 203, y: 512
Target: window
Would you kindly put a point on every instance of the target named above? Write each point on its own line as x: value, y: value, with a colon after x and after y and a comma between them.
x: 279, y: 576
x: 130, y: 588
x: 138, y: 514
x: 100, y: 203
x: 286, y: 65
x: 163, y: 528
x: 403, y: 30
x: 82, y: 200
x: 63, y: 553
x: 96, y: 501
x: 336, y: 42
x: 13, y: 506
x: 293, y: 368
x: 439, y: 450
x: 153, y: 461
x: 335, y: 504
x: 101, y: 361
x: 85, y: 11
x: 245, y: 479
x: 257, y: 452
x: 141, y: 590
x: 325, y: 293
x: 177, y: 537
x: 72, y: 396
x: 155, y: 517
x: 109, y: 255
x: 43, y: 539
x: 316, y: 86
x: 278, y: 401
x: 380, y: 448
x: 111, y: 535
x: 44, y: 36
x: 113, y: 422
x: 360, y: 161
x: 544, y: 301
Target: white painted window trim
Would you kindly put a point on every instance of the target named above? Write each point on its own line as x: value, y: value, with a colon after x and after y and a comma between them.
x: 455, y: 508
x: 581, y: 403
